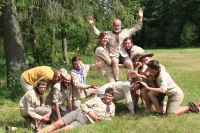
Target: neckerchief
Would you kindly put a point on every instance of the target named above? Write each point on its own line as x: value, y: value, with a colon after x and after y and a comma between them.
x: 117, y: 35
x: 107, y: 104
x: 41, y: 95
x: 81, y: 72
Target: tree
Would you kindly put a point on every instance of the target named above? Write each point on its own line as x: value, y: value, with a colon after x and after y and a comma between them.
x: 13, y: 44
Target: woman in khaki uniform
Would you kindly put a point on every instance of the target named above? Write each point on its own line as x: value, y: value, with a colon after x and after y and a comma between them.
x: 102, y: 54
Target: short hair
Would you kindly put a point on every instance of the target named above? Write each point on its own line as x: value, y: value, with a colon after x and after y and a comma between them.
x: 127, y: 38
x: 75, y: 58
x: 110, y: 91
x: 136, y: 56
x: 154, y: 64
x: 102, y: 34
x: 41, y: 82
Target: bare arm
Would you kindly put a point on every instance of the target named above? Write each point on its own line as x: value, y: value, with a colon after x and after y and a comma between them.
x: 92, y: 26
x: 69, y: 103
x: 56, y: 107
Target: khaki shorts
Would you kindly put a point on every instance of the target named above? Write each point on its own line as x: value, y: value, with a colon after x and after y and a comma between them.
x: 30, y: 122
x: 74, y: 118
x: 174, y: 101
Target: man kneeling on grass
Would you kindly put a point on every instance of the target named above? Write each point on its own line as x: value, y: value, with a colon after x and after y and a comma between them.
x: 91, y: 111
x: 32, y: 108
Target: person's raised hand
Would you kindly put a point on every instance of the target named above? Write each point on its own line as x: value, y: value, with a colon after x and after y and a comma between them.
x: 91, y: 21
x: 140, y: 13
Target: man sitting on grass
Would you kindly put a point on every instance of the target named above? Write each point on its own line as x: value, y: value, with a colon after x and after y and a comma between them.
x: 91, y: 111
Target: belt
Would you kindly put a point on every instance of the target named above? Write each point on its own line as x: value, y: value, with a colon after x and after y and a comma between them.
x: 85, y: 119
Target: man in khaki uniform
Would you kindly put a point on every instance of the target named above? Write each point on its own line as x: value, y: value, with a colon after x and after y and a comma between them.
x: 91, y: 111
x: 32, y: 108
x: 30, y: 77
x: 132, y: 49
x: 121, y: 91
x: 56, y: 98
x: 79, y: 87
x: 102, y: 54
x: 115, y: 40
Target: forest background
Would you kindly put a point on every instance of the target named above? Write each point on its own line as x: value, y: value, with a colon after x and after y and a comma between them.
x: 51, y: 32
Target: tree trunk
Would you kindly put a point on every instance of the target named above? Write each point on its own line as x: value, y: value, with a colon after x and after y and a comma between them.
x: 64, y: 46
x: 87, y: 42
x: 52, y: 42
x: 13, y: 44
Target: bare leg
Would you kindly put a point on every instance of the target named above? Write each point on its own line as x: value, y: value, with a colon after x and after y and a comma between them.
x: 115, y: 68
x: 50, y: 128
x: 145, y: 96
x: 182, y: 109
x: 137, y: 95
x: 153, y: 96
x: 129, y: 65
x: 68, y: 127
x: 94, y: 92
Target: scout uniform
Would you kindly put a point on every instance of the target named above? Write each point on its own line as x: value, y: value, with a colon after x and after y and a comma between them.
x: 31, y: 108
x: 59, y: 95
x: 135, y: 50
x: 101, y: 54
x: 95, y: 105
x: 121, y: 91
x: 80, y: 90
x: 30, y: 77
x: 115, y: 42
x: 169, y: 87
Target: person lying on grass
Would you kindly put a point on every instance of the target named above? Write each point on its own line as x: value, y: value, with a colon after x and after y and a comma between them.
x: 165, y: 84
x: 93, y: 110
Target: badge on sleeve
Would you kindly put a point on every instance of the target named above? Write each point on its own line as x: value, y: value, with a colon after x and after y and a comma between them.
x: 161, y: 80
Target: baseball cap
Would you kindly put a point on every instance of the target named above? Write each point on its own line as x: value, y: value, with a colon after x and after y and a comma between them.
x: 63, y: 72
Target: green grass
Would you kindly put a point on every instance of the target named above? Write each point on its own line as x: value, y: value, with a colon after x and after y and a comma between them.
x: 181, y: 64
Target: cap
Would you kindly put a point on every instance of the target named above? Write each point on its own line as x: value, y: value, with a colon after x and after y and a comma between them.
x: 63, y: 72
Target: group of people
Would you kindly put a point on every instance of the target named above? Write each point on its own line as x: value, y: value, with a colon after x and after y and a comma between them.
x: 146, y: 79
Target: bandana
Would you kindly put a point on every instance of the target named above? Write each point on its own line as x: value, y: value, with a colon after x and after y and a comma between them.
x: 81, y: 72
x: 107, y: 104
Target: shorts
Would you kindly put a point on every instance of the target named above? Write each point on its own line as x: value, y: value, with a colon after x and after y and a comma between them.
x: 174, y: 101
x: 74, y: 118
x: 62, y: 113
x: 121, y: 59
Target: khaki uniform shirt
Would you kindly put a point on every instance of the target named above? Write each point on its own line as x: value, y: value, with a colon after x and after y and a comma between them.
x: 59, y: 94
x: 166, y: 83
x: 32, y: 76
x: 121, y: 91
x: 118, y: 48
x: 28, y: 103
x: 77, y: 86
x: 96, y: 106
x: 101, y: 54
x: 135, y: 50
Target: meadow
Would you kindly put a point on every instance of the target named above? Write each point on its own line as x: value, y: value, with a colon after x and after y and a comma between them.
x: 184, y: 67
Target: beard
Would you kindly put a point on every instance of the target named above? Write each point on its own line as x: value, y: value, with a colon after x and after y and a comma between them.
x: 117, y: 30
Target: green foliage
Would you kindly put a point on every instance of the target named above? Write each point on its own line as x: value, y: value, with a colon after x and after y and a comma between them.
x: 188, y: 34
x: 16, y: 91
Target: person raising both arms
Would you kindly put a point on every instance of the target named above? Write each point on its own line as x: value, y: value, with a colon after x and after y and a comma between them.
x: 118, y: 53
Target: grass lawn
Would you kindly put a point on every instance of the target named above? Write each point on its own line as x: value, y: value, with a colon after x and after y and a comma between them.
x: 181, y: 64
